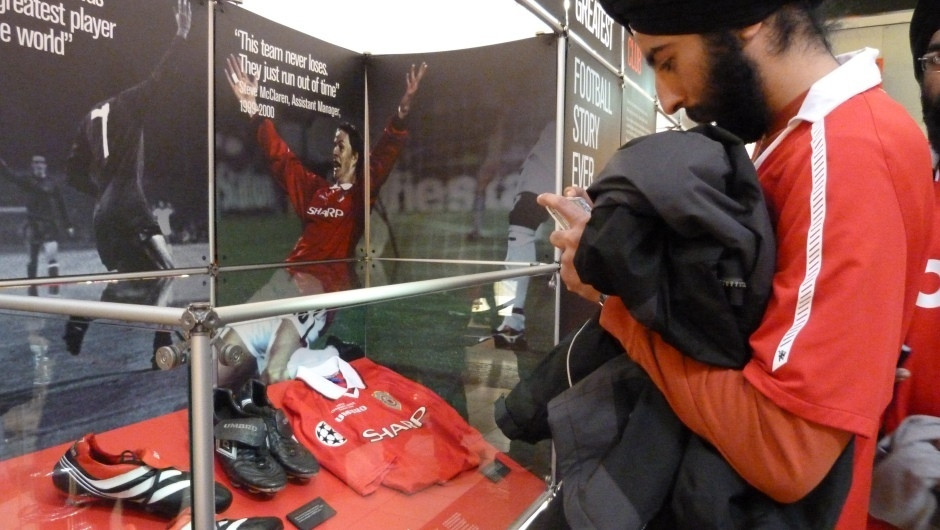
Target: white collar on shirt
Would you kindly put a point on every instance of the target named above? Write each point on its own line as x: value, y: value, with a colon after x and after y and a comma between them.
x: 857, y: 72
x: 316, y: 378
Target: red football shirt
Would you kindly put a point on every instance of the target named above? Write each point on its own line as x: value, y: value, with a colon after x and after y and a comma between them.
x: 371, y: 426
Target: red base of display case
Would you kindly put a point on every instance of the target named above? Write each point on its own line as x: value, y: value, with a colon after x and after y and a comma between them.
x: 29, y: 500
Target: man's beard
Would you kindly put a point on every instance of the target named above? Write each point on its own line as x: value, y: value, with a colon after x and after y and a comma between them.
x: 931, y: 119
x: 733, y: 98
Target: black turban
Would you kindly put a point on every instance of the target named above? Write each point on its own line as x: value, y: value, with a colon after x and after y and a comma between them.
x: 682, y: 17
x: 924, y: 23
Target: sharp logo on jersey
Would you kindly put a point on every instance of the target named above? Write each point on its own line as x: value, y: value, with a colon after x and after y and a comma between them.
x: 328, y: 436
x: 392, y: 430
x: 387, y: 399
x: 325, y: 212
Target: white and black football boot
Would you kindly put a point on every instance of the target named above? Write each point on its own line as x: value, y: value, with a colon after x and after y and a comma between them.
x: 507, y: 338
x: 86, y: 473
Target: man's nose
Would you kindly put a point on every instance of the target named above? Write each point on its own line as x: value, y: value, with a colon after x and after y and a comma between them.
x: 670, y: 99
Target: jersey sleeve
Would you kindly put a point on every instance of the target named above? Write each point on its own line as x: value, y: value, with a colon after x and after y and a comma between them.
x: 80, y: 161
x: 920, y: 393
x: 288, y: 171
x: 383, y: 156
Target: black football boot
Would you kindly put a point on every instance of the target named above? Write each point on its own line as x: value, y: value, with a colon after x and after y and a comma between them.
x: 241, y: 446
x: 296, y: 459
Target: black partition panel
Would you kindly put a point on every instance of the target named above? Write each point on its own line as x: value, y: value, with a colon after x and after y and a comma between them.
x: 591, y: 135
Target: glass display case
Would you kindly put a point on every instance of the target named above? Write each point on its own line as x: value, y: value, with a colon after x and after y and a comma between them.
x: 86, y: 414
x: 156, y: 337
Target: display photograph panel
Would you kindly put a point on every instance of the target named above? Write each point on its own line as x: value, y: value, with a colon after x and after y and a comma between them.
x: 482, y: 147
x: 281, y: 96
x: 289, y: 184
x: 103, y: 156
x: 481, y: 132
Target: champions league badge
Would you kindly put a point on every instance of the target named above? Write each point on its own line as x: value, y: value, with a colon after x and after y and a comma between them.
x: 387, y: 399
x: 328, y: 436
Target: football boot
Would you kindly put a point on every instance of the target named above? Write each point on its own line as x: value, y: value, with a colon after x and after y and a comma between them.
x: 242, y: 448
x: 86, y: 473
x: 507, y: 338
x: 184, y: 522
x: 296, y: 459
x: 74, y: 335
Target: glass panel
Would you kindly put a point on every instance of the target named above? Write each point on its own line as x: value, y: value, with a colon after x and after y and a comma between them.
x: 445, y: 342
x: 395, y: 402
x: 416, y: 444
x: 103, y: 404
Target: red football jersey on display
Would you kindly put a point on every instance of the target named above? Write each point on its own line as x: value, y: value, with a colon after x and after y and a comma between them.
x: 371, y: 426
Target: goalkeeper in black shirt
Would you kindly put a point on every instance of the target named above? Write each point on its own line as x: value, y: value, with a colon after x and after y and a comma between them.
x: 107, y: 161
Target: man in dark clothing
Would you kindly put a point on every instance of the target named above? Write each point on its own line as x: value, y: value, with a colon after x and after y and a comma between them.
x: 46, y: 216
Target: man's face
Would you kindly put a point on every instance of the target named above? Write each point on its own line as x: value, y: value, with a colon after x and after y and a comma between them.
x: 344, y: 158
x: 930, y: 98
x: 38, y: 166
x: 712, y: 79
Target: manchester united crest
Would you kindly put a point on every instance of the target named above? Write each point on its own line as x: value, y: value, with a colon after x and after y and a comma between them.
x: 387, y: 399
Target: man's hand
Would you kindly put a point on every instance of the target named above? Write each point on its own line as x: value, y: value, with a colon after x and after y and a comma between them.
x: 568, y: 240
x: 244, y: 86
x: 412, y: 81
x: 184, y: 18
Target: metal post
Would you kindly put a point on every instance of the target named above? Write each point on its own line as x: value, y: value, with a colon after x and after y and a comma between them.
x: 201, y: 319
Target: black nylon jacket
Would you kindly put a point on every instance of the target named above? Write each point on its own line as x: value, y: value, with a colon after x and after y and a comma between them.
x: 681, y: 233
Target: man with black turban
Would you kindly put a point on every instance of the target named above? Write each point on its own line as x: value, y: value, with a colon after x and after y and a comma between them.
x: 908, y: 471
x: 925, y: 49
x: 841, y: 166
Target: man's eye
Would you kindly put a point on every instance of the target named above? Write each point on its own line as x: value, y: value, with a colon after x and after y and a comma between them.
x: 666, y: 66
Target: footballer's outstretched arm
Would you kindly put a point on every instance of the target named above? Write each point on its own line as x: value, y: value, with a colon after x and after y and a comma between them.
x: 412, y: 82
x: 244, y: 85
x: 184, y: 18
